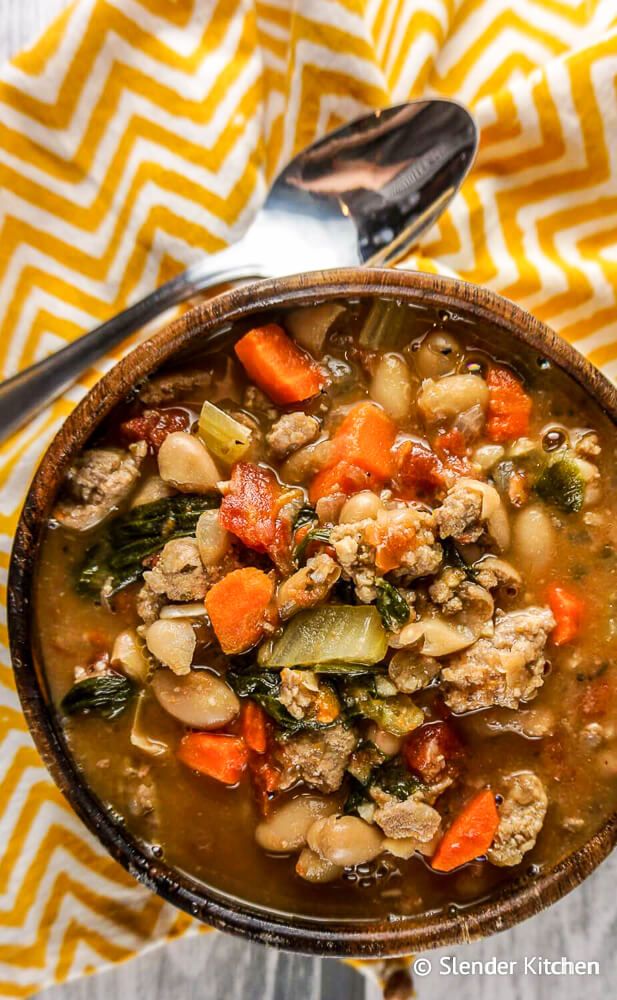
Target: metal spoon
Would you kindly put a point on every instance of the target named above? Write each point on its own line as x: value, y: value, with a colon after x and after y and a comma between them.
x: 361, y: 195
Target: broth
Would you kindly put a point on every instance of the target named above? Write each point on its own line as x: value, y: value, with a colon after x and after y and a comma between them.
x: 562, y: 731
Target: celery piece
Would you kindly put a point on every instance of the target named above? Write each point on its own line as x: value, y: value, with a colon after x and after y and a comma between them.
x: 384, y: 326
x: 225, y: 437
x: 335, y: 633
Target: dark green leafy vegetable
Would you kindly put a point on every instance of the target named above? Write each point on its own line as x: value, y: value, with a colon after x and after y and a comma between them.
x: 306, y: 515
x: 314, y: 535
x: 106, y: 695
x: 394, y: 778
x: 391, y: 605
x: 357, y: 797
x: 117, y: 558
x: 264, y: 687
x: 342, y: 668
x: 562, y: 484
x: 365, y: 758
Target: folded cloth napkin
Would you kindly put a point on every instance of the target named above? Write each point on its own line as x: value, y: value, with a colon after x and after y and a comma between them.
x: 139, y: 134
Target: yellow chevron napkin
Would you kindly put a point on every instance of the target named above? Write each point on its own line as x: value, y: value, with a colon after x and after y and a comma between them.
x: 137, y: 134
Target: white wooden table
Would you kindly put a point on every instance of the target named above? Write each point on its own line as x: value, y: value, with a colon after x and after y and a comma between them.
x: 218, y: 967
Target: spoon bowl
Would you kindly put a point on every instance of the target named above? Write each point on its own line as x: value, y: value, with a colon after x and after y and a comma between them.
x: 361, y: 195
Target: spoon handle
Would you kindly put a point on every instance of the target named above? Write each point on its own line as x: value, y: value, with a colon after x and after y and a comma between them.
x: 28, y: 392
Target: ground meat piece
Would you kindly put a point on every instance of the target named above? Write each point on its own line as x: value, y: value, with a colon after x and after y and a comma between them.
x: 460, y: 515
x: 194, y: 385
x: 506, y: 668
x: 179, y: 573
x: 400, y: 540
x: 309, y: 586
x: 149, y: 604
x: 318, y: 758
x: 407, y: 818
x: 301, y: 692
x: 257, y: 402
x: 100, y: 479
x: 521, y: 816
x: 411, y: 671
x: 445, y: 589
x: 290, y: 432
x: 588, y: 445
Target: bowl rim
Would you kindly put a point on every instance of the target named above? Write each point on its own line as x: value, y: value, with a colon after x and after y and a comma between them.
x: 370, y: 938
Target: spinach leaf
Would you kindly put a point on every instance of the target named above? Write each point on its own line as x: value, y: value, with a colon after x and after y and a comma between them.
x: 106, y: 695
x: 394, y: 778
x: 118, y: 557
x: 306, y: 515
x: 562, y: 484
x: 264, y: 687
x: 391, y: 605
x: 398, y: 713
x: 315, y: 535
x: 357, y: 797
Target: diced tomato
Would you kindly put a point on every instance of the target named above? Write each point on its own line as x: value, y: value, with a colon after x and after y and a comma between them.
x: 509, y: 407
x: 251, y: 511
x: 153, y: 426
x: 418, y: 471
x: 597, y: 697
x: 266, y: 780
x: 433, y: 750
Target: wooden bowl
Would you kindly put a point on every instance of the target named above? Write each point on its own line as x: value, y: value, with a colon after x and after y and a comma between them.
x: 371, y: 938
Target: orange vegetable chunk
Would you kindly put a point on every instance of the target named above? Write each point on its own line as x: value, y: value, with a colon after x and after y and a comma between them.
x: 470, y: 835
x: 278, y: 366
x: 509, y: 406
x: 365, y: 438
x: 340, y: 478
x: 219, y: 756
x: 254, y: 727
x: 239, y: 607
x: 569, y: 611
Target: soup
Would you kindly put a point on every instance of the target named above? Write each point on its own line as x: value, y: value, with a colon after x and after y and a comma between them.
x: 327, y: 612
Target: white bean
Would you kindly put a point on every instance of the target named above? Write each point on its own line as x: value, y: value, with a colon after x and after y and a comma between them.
x: 129, y: 656
x: 198, y: 699
x: 187, y: 464
x: 212, y: 539
x: 534, y: 539
x: 173, y: 643
x: 344, y: 840
x: 440, y: 638
x: 392, y: 386
x: 487, y: 455
x: 152, y: 488
x: 362, y: 505
x: 312, y: 868
x: 450, y: 396
x: 438, y: 354
x: 285, y: 829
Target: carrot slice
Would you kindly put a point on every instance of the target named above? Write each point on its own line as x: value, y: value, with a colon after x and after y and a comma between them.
x: 278, y: 366
x: 509, y: 406
x: 254, y: 727
x: 340, y: 478
x: 251, y: 508
x: 221, y: 757
x: 365, y: 438
x: 569, y: 611
x: 239, y: 607
x: 470, y: 835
